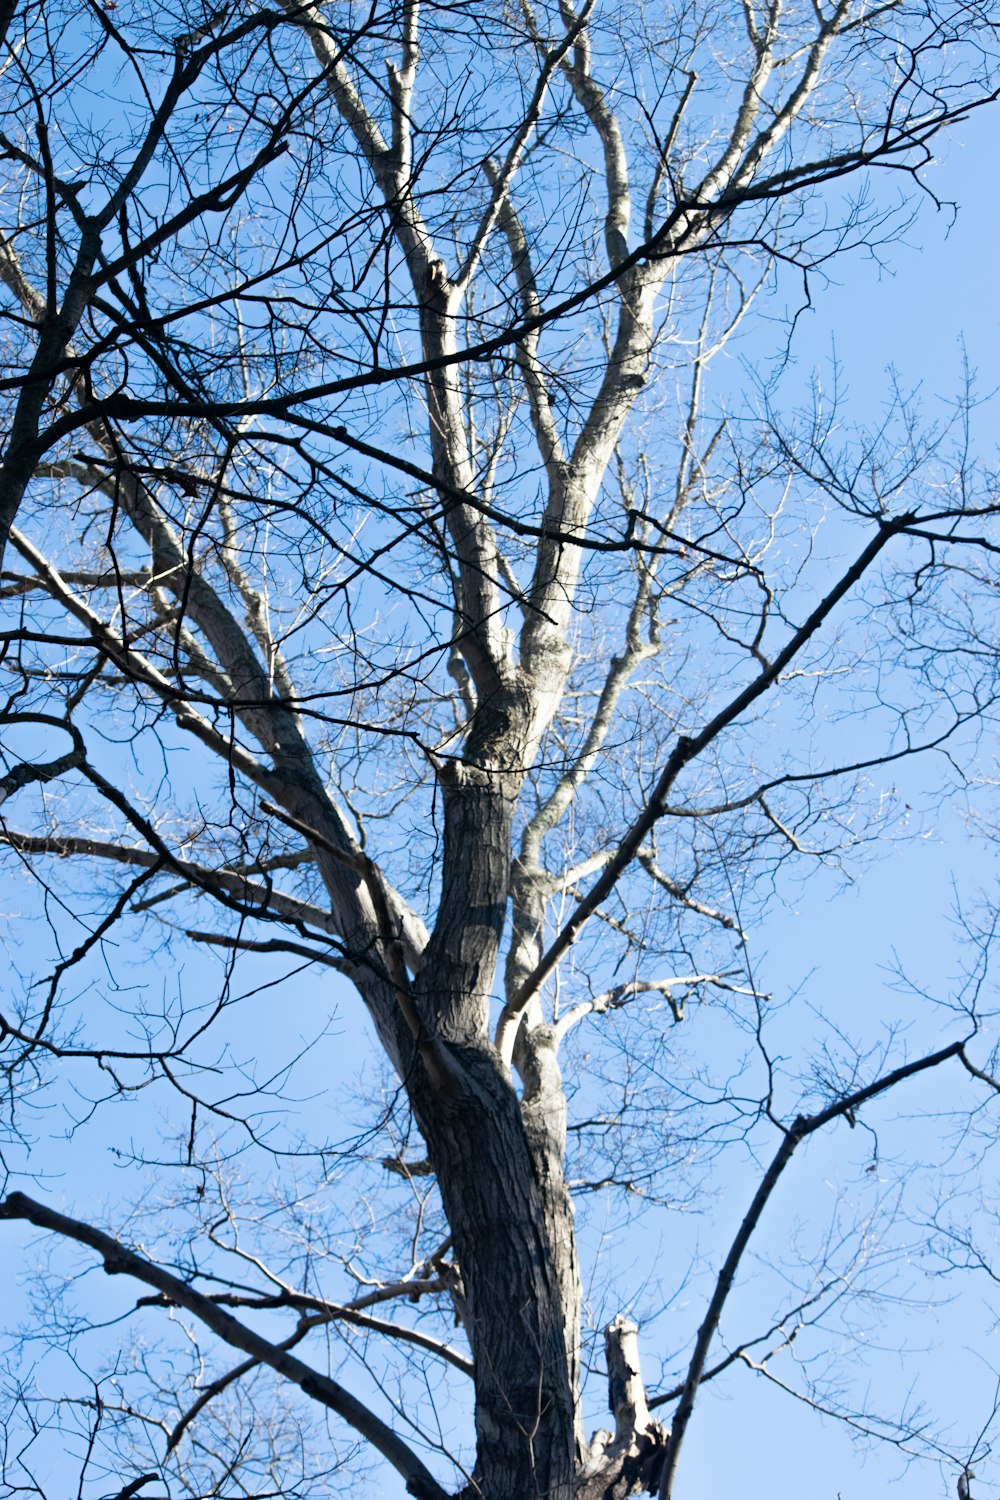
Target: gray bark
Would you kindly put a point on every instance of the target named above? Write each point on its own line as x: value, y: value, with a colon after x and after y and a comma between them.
x: 513, y: 1231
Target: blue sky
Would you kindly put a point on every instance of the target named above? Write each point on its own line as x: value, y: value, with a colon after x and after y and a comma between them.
x: 832, y: 941
x: 935, y: 303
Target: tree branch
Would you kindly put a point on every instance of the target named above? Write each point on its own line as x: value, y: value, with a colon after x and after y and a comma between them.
x: 801, y: 1128
x: 119, y: 1260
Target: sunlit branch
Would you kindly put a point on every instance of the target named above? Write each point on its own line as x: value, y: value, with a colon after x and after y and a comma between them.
x: 622, y: 993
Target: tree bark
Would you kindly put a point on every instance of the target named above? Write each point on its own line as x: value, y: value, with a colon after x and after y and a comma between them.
x: 513, y: 1232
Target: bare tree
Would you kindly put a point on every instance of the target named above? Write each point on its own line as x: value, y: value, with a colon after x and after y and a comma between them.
x: 389, y: 592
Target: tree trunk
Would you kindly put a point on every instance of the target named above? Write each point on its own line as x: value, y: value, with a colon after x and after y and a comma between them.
x: 498, y: 1157
x: 513, y: 1233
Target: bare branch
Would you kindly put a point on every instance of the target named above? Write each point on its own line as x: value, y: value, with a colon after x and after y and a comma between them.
x: 800, y: 1129
x: 119, y: 1260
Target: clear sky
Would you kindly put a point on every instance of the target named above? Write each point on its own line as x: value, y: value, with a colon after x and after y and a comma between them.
x: 939, y: 290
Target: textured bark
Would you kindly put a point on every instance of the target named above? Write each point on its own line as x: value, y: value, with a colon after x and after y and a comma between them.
x: 498, y: 1158
x: 513, y: 1233
x: 631, y: 1458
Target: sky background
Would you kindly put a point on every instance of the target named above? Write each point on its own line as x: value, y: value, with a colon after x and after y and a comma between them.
x: 935, y: 303
x: 835, y: 940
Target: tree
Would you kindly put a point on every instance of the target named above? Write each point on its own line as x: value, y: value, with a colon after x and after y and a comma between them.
x: 391, y: 591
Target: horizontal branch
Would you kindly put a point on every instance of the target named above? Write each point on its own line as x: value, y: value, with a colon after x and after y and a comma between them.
x: 120, y: 1261
x: 263, y: 900
x: 320, y: 1313
x: 620, y: 995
